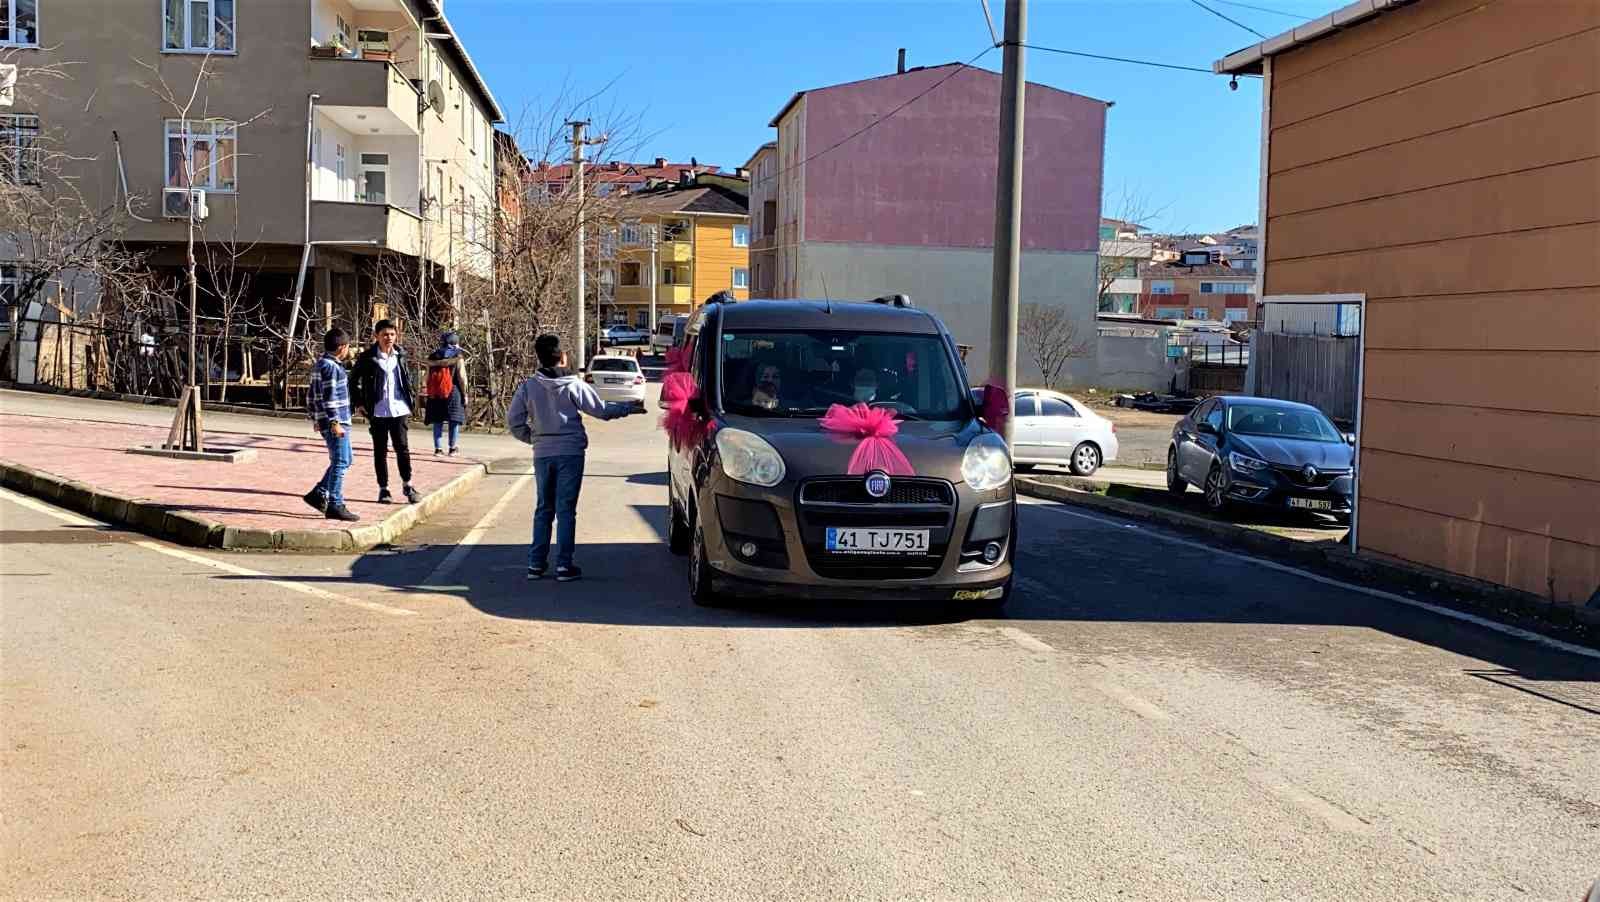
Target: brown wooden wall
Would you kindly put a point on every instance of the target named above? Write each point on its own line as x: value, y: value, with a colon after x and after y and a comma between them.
x: 1444, y: 159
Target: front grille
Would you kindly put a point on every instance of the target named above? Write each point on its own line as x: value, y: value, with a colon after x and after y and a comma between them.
x: 1322, y: 480
x: 912, y: 503
x: 853, y: 490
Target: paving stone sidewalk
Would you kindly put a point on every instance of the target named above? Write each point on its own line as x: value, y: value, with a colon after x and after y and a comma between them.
x: 260, y: 495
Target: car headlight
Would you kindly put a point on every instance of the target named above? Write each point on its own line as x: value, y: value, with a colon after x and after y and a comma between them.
x: 986, y: 465
x: 747, y: 457
x: 1246, y: 464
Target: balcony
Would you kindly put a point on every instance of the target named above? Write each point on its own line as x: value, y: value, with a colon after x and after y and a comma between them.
x: 372, y: 226
x: 366, y: 96
x: 676, y: 252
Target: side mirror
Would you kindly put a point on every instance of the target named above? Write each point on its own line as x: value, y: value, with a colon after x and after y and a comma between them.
x: 1350, y: 439
x: 1205, y: 428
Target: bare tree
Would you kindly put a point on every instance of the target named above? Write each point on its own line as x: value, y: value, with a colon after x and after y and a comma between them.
x: 1131, y: 212
x: 230, y: 282
x: 1051, y: 338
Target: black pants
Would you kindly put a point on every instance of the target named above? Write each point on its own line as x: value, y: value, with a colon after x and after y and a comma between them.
x: 386, y: 430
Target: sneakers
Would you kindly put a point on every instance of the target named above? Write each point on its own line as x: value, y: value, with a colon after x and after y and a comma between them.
x: 454, y: 451
x: 438, y: 451
x: 317, y: 499
x: 340, y: 512
x: 384, y: 497
x: 568, y: 573
x: 412, y: 495
x: 536, y: 572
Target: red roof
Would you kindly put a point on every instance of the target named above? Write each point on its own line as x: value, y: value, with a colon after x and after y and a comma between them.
x: 620, y: 172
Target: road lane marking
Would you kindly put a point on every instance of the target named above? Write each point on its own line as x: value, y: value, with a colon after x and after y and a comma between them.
x: 1502, y: 628
x: 436, y: 579
x: 1025, y: 639
x: 302, y: 588
x: 1130, y: 701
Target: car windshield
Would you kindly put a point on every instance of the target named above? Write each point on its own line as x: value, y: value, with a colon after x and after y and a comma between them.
x: 1281, y: 422
x: 801, y: 374
x: 612, y: 365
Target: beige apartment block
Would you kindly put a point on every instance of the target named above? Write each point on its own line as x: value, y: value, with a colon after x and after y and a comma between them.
x: 361, y: 124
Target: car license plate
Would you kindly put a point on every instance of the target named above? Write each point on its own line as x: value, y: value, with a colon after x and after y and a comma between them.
x: 616, y: 382
x: 877, y: 541
x: 1313, y: 504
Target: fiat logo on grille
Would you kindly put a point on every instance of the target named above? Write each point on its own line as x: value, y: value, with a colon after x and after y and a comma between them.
x: 877, y: 483
x: 1309, y: 472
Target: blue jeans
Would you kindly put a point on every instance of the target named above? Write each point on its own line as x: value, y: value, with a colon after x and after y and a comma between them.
x: 438, y: 433
x: 332, y: 483
x: 556, y: 481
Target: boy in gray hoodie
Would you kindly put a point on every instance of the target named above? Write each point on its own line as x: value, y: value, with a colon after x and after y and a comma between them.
x: 547, y: 413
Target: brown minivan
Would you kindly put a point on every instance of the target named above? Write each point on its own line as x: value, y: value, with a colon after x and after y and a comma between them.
x: 768, y: 501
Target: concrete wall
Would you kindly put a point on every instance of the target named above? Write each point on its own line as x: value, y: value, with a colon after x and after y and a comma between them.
x: 1132, y: 363
x: 954, y: 284
x: 927, y: 176
x: 1443, y: 159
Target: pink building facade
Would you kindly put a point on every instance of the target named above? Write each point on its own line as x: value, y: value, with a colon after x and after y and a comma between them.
x: 907, y: 206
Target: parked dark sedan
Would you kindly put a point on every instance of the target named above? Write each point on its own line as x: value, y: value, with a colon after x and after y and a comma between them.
x: 1265, y: 452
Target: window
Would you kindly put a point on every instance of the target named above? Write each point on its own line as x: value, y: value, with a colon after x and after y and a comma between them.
x: 1171, y: 313
x: 1224, y: 287
x: 632, y: 234
x: 19, y: 23
x: 741, y: 236
x: 341, y: 32
x: 800, y: 373
x: 1024, y: 406
x: 741, y: 277
x: 200, y: 25
x: 1161, y: 286
x: 477, y: 132
x: 668, y: 275
x: 375, y: 178
x: 19, y: 149
x: 203, y: 154
x: 1055, y: 407
x: 338, y: 169
x: 630, y: 273
x: 1214, y: 416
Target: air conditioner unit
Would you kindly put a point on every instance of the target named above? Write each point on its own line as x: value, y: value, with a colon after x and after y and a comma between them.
x: 176, y: 202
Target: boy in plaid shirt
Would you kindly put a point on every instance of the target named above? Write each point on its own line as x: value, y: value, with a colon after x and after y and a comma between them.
x: 328, y: 403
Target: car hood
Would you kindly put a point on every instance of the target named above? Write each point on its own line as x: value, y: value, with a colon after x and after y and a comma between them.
x: 934, y: 449
x: 1291, y: 452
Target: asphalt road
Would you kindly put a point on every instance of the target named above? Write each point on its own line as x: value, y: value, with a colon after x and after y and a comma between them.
x: 1153, y: 720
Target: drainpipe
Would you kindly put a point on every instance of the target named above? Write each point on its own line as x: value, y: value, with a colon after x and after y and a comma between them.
x: 305, y: 250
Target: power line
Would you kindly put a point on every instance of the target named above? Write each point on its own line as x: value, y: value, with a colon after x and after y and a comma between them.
x: 1263, y: 9
x: 1119, y: 59
x: 959, y: 68
x: 1227, y: 19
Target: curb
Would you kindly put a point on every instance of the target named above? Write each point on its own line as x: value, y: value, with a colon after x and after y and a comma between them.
x: 210, y: 406
x: 186, y: 528
x: 1366, y: 569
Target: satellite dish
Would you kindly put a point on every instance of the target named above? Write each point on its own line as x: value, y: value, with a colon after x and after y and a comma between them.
x: 436, y: 95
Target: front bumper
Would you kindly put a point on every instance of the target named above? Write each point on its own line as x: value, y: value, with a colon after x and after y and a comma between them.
x: 786, y: 530
x: 1272, y: 488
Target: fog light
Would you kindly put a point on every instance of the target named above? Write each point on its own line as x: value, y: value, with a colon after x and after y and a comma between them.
x: 748, y: 549
x: 991, y: 552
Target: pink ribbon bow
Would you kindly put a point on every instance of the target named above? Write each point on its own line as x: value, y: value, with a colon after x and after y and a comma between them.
x: 684, y: 427
x: 876, y: 427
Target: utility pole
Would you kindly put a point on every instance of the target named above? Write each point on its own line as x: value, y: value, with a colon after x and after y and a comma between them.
x: 578, y: 143
x: 1008, y: 209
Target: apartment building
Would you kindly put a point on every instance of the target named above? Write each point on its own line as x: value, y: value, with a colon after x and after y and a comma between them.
x: 361, y: 125
x: 1436, y: 163
x: 1123, y: 247
x: 762, y: 168
x: 1208, y: 291
x: 907, y: 206
x: 680, y: 244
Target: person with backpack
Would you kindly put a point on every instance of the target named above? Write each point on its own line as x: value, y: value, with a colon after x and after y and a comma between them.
x: 381, y: 386
x: 446, y: 404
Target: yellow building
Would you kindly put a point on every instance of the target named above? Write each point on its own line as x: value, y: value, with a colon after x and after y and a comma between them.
x: 699, y: 240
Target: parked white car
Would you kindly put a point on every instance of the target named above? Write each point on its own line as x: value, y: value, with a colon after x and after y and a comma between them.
x: 616, y: 379
x: 623, y: 334
x: 1051, y: 428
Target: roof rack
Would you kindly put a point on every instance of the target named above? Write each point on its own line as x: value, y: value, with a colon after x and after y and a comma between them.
x: 893, y: 300
x: 722, y: 297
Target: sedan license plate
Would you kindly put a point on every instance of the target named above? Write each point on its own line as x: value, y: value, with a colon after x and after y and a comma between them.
x: 616, y: 382
x: 1312, y: 504
x: 877, y: 541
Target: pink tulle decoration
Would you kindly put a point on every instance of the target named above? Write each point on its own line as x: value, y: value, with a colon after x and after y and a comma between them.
x: 996, y: 406
x: 677, y: 360
x: 683, y: 426
x: 876, y: 427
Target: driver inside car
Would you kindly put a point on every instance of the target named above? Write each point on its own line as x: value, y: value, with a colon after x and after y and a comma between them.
x: 866, y: 386
x: 769, y: 382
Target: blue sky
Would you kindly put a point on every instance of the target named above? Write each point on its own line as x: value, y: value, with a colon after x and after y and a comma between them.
x: 702, y: 79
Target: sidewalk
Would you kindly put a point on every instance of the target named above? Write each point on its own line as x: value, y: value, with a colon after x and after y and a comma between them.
x: 255, y: 504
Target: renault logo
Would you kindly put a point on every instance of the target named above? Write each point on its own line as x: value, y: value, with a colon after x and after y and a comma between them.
x: 1309, y: 472
x: 877, y: 483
